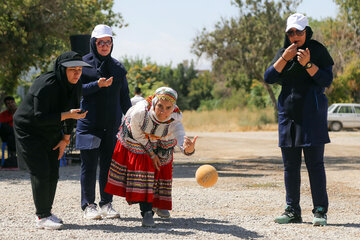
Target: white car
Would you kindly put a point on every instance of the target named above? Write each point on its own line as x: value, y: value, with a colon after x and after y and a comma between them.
x: 343, y: 115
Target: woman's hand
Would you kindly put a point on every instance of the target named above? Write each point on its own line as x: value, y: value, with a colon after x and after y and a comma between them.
x: 156, y: 161
x: 103, y: 82
x: 61, y: 146
x: 189, y: 145
x: 303, y: 56
x: 290, y: 52
x: 73, y: 114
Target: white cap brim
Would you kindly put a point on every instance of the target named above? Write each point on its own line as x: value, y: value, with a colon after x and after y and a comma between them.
x: 102, y: 36
x: 297, y: 26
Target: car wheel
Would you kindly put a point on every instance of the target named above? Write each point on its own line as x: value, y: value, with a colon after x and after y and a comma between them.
x: 336, y: 126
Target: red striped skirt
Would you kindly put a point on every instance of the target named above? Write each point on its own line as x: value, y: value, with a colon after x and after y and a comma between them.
x: 134, y: 177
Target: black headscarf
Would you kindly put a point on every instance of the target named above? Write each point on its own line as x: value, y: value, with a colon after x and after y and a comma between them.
x: 318, y: 53
x: 68, y: 91
x: 102, y: 63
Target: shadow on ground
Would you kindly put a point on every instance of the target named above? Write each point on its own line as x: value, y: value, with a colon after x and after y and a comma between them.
x: 247, y: 168
x: 174, y: 227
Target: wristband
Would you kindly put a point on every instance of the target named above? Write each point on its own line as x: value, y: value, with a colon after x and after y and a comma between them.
x: 284, y: 58
x: 152, y: 156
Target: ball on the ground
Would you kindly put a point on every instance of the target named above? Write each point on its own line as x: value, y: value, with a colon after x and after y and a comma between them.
x: 206, y: 176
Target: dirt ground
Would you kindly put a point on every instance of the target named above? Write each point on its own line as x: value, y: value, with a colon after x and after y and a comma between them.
x: 242, y: 204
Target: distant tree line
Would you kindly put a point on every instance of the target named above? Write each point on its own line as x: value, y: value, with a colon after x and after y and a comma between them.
x: 240, y: 49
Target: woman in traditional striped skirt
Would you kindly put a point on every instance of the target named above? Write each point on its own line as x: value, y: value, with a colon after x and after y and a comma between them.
x: 141, y: 168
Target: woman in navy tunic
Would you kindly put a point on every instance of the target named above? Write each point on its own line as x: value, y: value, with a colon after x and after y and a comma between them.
x: 106, y: 98
x: 303, y: 67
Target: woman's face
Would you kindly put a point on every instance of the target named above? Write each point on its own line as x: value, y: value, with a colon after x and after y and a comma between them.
x: 297, y: 36
x: 73, y: 74
x: 103, y: 46
x: 163, y: 109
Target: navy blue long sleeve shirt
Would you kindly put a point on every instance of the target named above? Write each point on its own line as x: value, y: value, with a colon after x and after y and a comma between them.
x: 302, y: 105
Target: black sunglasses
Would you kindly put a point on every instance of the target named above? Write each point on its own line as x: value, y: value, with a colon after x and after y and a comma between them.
x: 297, y: 32
x: 103, y: 43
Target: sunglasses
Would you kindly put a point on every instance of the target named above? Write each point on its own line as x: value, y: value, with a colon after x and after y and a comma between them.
x: 103, y: 43
x: 297, y: 32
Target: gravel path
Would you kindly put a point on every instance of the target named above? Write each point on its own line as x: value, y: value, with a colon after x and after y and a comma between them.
x: 242, y: 205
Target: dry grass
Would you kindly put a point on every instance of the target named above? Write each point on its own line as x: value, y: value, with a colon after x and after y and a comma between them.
x: 230, y: 121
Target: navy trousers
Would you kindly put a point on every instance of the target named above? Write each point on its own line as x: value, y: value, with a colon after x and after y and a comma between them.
x: 314, y: 160
x: 90, y: 159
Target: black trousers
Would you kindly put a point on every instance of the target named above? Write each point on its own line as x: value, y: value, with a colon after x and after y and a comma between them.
x: 43, y: 166
x: 7, y: 135
x: 90, y: 160
x: 145, y: 207
x: 44, y: 179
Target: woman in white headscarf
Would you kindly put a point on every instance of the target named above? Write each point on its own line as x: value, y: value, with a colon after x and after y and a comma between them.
x: 141, y: 168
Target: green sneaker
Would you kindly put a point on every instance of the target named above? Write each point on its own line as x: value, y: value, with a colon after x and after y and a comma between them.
x: 289, y: 216
x: 320, y: 218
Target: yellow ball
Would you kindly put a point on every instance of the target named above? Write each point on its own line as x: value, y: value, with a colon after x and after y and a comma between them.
x: 206, y: 176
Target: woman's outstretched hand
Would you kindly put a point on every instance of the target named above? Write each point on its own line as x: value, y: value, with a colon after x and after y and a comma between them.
x: 189, y: 145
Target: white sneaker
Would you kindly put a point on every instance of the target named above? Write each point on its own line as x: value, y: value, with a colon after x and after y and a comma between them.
x: 91, y: 212
x: 56, y: 219
x: 162, y: 212
x: 47, y: 223
x: 107, y: 211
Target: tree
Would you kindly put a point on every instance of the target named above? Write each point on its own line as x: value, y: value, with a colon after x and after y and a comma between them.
x: 340, y: 39
x: 242, y: 48
x: 346, y: 87
x: 143, y: 74
x: 149, y: 76
x: 34, y: 32
x: 200, y: 89
x: 351, y: 10
x: 181, y: 79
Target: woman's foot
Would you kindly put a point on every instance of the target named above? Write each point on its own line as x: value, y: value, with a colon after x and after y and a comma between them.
x: 320, y: 218
x: 47, y: 223
x: 162, y: 212
x: 148, y: 219
x: 56, y: 219
x: 289, y: 216
x: 91, y: 212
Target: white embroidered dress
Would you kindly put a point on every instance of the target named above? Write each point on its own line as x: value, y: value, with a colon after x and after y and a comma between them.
x: 142, y: 133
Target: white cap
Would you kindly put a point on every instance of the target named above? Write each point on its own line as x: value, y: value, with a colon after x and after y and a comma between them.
x: 101, y: 31
x: 298, y: 21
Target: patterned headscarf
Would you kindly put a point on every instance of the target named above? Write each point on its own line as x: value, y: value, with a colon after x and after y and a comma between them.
x: 165, y: 93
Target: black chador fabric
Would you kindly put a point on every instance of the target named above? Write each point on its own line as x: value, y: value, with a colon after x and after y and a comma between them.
x: 51, y: 93
x: 294, y: 73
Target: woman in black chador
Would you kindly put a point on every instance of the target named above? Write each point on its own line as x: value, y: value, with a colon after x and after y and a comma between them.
x: 42, y: 124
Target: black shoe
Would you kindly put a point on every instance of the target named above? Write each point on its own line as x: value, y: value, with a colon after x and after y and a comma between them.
x: 148, y: 219
x: 289, y: 216
x: 320, y: 218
